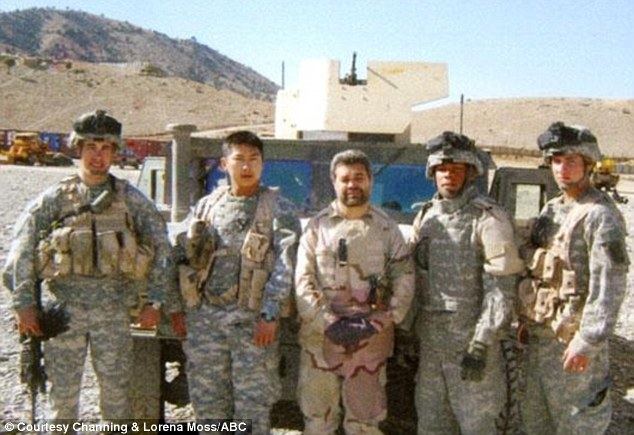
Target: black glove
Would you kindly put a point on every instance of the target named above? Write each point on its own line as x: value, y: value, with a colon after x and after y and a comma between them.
x: 54, y: 320
x: 473, y: 362
x: 349, y: 331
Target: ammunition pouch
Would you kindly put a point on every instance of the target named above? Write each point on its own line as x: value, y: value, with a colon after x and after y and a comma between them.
x: 54, y: 255
x: 256, y: 264
x: 67, y: 251
x: 198, y: 243
x: 549, y: 295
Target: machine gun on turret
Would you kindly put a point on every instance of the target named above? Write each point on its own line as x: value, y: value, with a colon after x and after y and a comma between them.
x: 351, y: 79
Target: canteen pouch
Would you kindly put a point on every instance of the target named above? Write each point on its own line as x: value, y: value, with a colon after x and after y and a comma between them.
x: 255, y: 246
x: 62, y: 257
x: 258, y: 281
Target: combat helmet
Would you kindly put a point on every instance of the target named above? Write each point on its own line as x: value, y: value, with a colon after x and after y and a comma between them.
x: 95, y: 125
x: 452, y: 147
x: 568, y: 139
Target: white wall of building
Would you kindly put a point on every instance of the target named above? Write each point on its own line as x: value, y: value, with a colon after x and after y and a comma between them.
x: 383, y: 105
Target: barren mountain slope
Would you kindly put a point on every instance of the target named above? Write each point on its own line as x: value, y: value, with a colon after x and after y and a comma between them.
x: 32, y: 99
x: 517, y: 122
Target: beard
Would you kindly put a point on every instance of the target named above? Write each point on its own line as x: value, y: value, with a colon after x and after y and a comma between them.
x: 354, y: 198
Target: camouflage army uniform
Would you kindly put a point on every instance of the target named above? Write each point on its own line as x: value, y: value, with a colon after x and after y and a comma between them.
x: 466, y: 261
x: 98, y: 305
x: 229, y: 376
x: 326, y: 291
x: 557, y: 401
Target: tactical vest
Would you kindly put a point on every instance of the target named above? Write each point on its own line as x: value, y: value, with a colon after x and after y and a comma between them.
x: 257, y: 255
x: 86, y: 243
x: 449, y: 276
x: 549, y: 294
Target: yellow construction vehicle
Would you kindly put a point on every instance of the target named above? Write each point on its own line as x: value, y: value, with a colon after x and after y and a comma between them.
x: 28, y: 149
x: 604, y: 177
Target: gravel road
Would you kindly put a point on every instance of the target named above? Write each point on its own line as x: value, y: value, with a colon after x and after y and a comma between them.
x: 20, y: 184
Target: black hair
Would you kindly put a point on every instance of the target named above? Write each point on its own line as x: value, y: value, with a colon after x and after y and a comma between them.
x: 242, y: 137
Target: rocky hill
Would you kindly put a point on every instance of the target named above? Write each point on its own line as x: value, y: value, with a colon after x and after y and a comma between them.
x: 78, y: 35
x: 516, y: 123
x: 50, y: 97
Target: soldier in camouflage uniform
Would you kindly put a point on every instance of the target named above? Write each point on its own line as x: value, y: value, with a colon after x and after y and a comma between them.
x: 240, y: 250
x: 354, y: 281
x: 466, y: 264
x: 95, y: 241
x: 570, y: 303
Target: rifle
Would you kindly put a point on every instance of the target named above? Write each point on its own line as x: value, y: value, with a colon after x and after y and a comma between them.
x: 54, y: 320
x: 31, y: 360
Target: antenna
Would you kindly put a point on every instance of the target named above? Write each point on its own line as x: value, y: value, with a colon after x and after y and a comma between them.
x: 461, y: 111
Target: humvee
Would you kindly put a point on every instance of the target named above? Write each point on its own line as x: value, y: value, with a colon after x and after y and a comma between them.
x: 301, y: 170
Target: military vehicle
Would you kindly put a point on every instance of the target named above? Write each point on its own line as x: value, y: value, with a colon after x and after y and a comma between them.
x: 127, y: 157
x: 301, y: 170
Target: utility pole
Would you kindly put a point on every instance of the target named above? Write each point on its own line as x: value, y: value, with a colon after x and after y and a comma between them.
x: 283, y: 75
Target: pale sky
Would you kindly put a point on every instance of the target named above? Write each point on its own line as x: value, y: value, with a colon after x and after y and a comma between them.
x: 494, y: 49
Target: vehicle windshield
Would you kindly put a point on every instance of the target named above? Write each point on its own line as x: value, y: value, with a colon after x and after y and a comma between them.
x: 397, y: 188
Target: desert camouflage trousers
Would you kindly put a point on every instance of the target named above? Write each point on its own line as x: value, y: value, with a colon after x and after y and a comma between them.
x: 320, y: 392
x: 446, y: 404
x: 557, y: 402
x: 106, y: 329
x: 230, y: 377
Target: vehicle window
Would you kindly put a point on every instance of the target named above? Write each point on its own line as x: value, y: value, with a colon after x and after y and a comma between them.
x: 293, y: 177
x: 396, y: 188
x: 528, y: 200
x: 399, y: 187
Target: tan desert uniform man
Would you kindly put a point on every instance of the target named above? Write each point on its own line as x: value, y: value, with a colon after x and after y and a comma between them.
x: 354, y: 281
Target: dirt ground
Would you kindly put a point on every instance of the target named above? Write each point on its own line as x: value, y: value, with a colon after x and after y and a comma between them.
x: 19, y: 184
